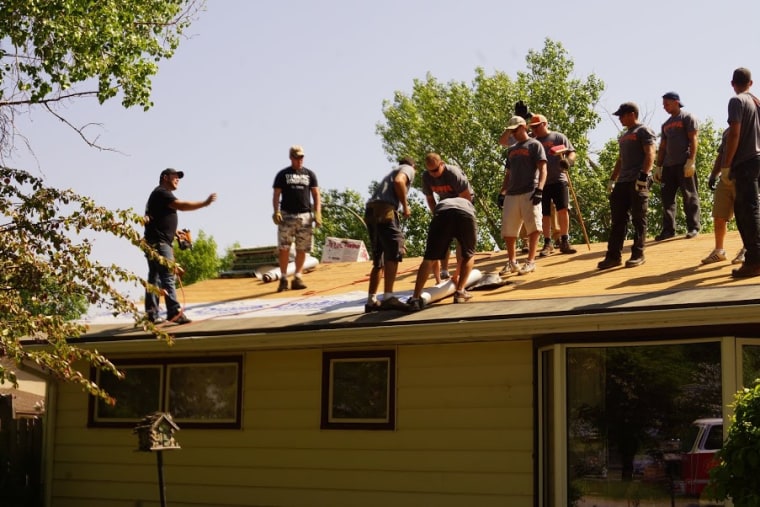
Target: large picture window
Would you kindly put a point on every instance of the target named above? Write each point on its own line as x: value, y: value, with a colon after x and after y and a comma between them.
x: 197, y: 392
x: 359, y: 390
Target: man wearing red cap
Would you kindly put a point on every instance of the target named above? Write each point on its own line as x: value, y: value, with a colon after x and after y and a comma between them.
x: 556, y: 188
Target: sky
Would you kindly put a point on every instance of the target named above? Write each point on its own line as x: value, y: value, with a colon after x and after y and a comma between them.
x: 254, y: 77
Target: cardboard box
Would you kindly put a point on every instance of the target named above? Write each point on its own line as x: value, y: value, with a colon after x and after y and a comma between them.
x: 344, y: 250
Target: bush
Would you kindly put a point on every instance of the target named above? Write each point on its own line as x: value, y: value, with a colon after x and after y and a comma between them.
x: 737, y: 475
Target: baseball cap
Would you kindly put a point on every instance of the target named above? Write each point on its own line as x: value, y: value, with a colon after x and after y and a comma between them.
x: 673, y: 96
x: 514, y: 122
x: 627, y: 107
x: 171, y: 170
x: 296, y: 151
x: 741, y: 76
x: 538, y: 118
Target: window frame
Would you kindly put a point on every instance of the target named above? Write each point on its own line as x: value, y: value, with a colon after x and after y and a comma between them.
x: 165, y: 364
x: 329, y: 359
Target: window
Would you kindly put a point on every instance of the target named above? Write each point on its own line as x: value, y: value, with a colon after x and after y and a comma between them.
x: 197, y: 392
x: 359, y: 390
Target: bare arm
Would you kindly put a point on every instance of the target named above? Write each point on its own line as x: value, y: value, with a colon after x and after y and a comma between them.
x: 192, y: 205
x: 466, y: 194
x: 732, y: 143
x: 430, y: 202
x: 400, y: 186
x: 317, y: 198
x: 541, y: 174
x: 649, y: 156
x: 661, y: 151
x: 616, y: 169
x: 693, y: 144
x: 276, y: 199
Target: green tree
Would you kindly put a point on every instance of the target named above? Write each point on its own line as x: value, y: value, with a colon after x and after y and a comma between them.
x: 343, y: 217
x: 200, y: 262
x: 463, y: 122
x: 225, y: 263
x: 53, y: 51
x: 737, y: 475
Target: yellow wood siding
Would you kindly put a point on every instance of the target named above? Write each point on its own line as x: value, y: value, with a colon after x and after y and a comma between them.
x: 463, y: 437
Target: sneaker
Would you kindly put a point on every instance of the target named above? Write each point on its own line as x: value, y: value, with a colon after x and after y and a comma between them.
x: 692, y: 234
x: 566, y: 248
x: 528, y: 267
x: 746, y: 271
x: 664, y: 235
x: 608, y: 263
x: 155, y: 319
x: 462, y: 296
x: 739, y: 259
x: 635, y: 261
x: 510, y: 268
x: 393, y: 303
x: 283, y: 285
x: 180, y: 319
x: 372, y: 307
x: 547, y: 250
x: 297, y: 284
x: 415, y: 304
x: 445, y: 275
x: 716, y: 255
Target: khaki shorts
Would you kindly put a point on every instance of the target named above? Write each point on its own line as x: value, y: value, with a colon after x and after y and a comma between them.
x: 518, y: 210
x: 723, y: 201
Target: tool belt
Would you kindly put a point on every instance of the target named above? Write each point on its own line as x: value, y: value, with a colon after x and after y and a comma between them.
x: 380, y: 212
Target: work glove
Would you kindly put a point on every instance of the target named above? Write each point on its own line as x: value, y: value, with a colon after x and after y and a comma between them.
x: 277, y: 218
x: 500, y: 200
x: 689, y: 168
x: 537, y: 197
x: 712, y: 182
x: 564, y: 165
x: 642, y: 183
x: 610, y: 186
x: 318, y: 218
x: 657, y: 173
x: 522, y: 110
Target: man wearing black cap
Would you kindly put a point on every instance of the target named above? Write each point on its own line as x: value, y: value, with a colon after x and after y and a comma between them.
x: 629, y: 188
x: 160, y: 230
x: 676, y: 158
x: 742, y: 161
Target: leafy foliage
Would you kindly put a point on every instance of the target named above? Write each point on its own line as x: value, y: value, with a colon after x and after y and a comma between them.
x: 45, y: 259
x: 737, y: 475
x: 463, y: 122
x: 199, y: 262
x: 47, y: 275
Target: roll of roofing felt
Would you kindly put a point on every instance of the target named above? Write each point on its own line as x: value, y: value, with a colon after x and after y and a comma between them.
x: 275, y: 274
x: 447, y: 288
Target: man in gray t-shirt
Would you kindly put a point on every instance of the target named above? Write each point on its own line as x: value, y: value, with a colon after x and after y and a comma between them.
x: 676, y: 167
x: 629, y: 188
x: 386, y: 236
x: 742, y: 159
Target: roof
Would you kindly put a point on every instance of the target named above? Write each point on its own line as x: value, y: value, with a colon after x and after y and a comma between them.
x: 24, y: 404
x: 562, y: 286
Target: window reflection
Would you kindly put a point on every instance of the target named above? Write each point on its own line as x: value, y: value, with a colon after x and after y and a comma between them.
x: 631, y: 414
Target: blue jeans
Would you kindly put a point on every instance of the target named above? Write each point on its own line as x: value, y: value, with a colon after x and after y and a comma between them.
x: 163, y: 278
x: 747, y: 207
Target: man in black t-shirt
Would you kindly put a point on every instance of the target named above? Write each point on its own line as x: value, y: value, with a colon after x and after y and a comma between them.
x: 160, y: 229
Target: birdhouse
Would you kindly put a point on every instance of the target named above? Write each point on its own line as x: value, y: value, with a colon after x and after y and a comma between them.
x: 156, y: 433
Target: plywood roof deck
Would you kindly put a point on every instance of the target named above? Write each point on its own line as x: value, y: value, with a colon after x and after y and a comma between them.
x: 674, y: 264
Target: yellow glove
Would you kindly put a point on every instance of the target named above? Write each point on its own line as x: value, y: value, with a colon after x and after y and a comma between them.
x: 657, y: 173
x: 318, y: 218
x: 689, y: 168
x: 277, y: 218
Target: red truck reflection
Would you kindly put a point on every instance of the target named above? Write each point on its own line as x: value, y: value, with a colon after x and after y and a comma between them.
x: 698, y: 459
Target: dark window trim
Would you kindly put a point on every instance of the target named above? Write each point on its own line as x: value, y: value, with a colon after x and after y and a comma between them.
x: 164, y: 362
x: 327, y: 358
